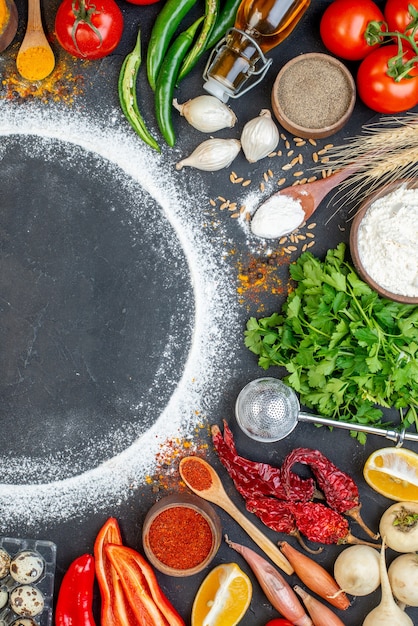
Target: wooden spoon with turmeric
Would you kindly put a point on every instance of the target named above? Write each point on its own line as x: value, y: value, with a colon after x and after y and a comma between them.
x: 35, y: 59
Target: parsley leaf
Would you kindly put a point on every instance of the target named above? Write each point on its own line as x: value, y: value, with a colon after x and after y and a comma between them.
x: 347, y: 351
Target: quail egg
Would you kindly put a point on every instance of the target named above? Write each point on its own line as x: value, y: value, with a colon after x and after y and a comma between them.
x: 27, y: 567
x: 4, y: 563
x: 24, y: 621
x: 4, y: 596
x: 27, y: 601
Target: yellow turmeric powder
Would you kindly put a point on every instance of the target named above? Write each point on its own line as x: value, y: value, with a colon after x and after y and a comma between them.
x: 4, y: 15
x: 35, y: 63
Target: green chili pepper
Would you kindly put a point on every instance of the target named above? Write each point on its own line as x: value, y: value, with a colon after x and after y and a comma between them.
x: 127, y: 94
x: 211, y: 13
x: 167, y: 78
x: 162, y: 32
x: 225, y: 21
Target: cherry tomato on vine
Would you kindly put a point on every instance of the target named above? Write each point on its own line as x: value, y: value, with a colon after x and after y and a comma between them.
x: 279, y: 622
x: 398, y: 17
x: 343, y: 25
x: 381, y: 92
x: 89, y: 29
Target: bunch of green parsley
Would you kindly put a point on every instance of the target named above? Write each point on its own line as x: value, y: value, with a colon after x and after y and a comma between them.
x: 348, y: 351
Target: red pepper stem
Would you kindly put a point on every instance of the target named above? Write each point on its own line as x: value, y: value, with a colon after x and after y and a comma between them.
x: 354, y: 513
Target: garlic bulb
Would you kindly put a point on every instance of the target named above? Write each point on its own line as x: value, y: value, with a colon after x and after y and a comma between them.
x: 212, y: 155
x: 206, y: 113
x: 259, y: 137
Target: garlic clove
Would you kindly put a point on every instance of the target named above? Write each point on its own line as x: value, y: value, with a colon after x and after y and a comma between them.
x: 212, y: 155
x: 206, y: 113
x: 259, y: 137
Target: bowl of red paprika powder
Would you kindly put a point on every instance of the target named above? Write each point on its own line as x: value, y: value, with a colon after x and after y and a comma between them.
x: 181, y: 534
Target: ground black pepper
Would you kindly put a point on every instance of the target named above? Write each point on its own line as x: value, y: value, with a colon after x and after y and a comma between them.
x: 314, y: 93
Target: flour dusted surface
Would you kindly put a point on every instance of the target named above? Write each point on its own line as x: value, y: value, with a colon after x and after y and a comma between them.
x: 47, y: 501
x: 387, y: 241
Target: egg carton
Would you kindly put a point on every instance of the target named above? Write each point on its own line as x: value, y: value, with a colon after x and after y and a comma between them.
x: 45, y: 584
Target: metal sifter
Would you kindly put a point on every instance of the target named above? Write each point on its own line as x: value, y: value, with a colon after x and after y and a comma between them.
x: 268, y: 410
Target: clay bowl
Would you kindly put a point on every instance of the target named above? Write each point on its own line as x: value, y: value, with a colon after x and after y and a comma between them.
x: 171, y: 522
x: 354, y: 240
x: 313, y: 95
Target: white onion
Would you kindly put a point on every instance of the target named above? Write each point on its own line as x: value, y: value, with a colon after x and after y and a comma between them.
x: 403, y: 578
x: 356, y: 570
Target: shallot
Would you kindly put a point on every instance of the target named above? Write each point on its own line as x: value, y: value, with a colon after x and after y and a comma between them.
x: 320, y: 614
x: 212, y: 155
x: 315, y: 577
x: 206, y: 113
x: 278, y: 592
x: 403, y: 578
x: 357, y: 570
x: 387, y: 613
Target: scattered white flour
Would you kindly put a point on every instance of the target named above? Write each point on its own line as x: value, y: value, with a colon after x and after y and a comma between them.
x: 387, y: 241
x: 277, y: 216
x: 210, y: 359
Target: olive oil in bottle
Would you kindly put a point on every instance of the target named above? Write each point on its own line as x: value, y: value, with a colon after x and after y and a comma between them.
x: 260, y: 25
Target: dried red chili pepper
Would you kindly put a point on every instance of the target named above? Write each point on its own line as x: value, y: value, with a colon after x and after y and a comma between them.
x: 340, y: 490
x: 255, y: 478
x: 276, y: 514
x: 75, y: 597
x: 146, y: 599
x: 321, y: 524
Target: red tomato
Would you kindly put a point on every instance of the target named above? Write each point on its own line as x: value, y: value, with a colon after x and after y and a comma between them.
x: 279, y: 622
x: 96, y: 35
x: 379, y: 91
x: 398, y: 17
x: 343, y: 25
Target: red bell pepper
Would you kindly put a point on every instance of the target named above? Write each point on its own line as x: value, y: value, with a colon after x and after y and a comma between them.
x: 75, y: 597
x: 115, y: 611
x: 139, y: 582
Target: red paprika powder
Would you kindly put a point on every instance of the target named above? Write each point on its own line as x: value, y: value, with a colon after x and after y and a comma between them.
x: 180, y: 537
x: 196, y: 475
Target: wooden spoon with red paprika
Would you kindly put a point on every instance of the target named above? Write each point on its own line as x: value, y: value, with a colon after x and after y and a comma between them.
x: 202, y: 479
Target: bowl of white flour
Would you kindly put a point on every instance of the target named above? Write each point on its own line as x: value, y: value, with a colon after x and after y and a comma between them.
x: 383, y: 241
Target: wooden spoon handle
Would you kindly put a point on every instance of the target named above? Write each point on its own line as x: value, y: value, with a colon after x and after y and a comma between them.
x: 34, y: 15
x: 256, y: 535
x: 320, y: 188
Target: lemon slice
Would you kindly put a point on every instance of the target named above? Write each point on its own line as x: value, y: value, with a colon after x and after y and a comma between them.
x: 223, y: 597
x: 393, y: 472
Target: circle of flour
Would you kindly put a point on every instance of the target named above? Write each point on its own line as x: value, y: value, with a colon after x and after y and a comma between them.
x: 208, y: 360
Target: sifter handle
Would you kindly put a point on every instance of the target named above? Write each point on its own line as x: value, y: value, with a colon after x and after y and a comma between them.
x: 394, y: 435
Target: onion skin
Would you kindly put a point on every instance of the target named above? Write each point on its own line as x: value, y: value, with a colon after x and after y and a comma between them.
x: 279, y: 593
x: 315, y: 577
x: 321, y: 615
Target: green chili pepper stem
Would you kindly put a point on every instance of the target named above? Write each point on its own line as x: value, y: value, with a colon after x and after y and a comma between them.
x: 127, y: 94
x: 225, y: 21
x: 166, y: 24
x: 166, y: 81
x: 211, y: 13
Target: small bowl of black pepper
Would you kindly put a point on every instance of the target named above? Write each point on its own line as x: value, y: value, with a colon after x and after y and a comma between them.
x: 313, y: 95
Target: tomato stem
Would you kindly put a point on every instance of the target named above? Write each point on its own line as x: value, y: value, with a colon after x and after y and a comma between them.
x: 398, y: 68
x: 83, y: 15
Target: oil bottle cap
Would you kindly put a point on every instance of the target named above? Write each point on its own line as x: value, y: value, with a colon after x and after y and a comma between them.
x: 215, y: 88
